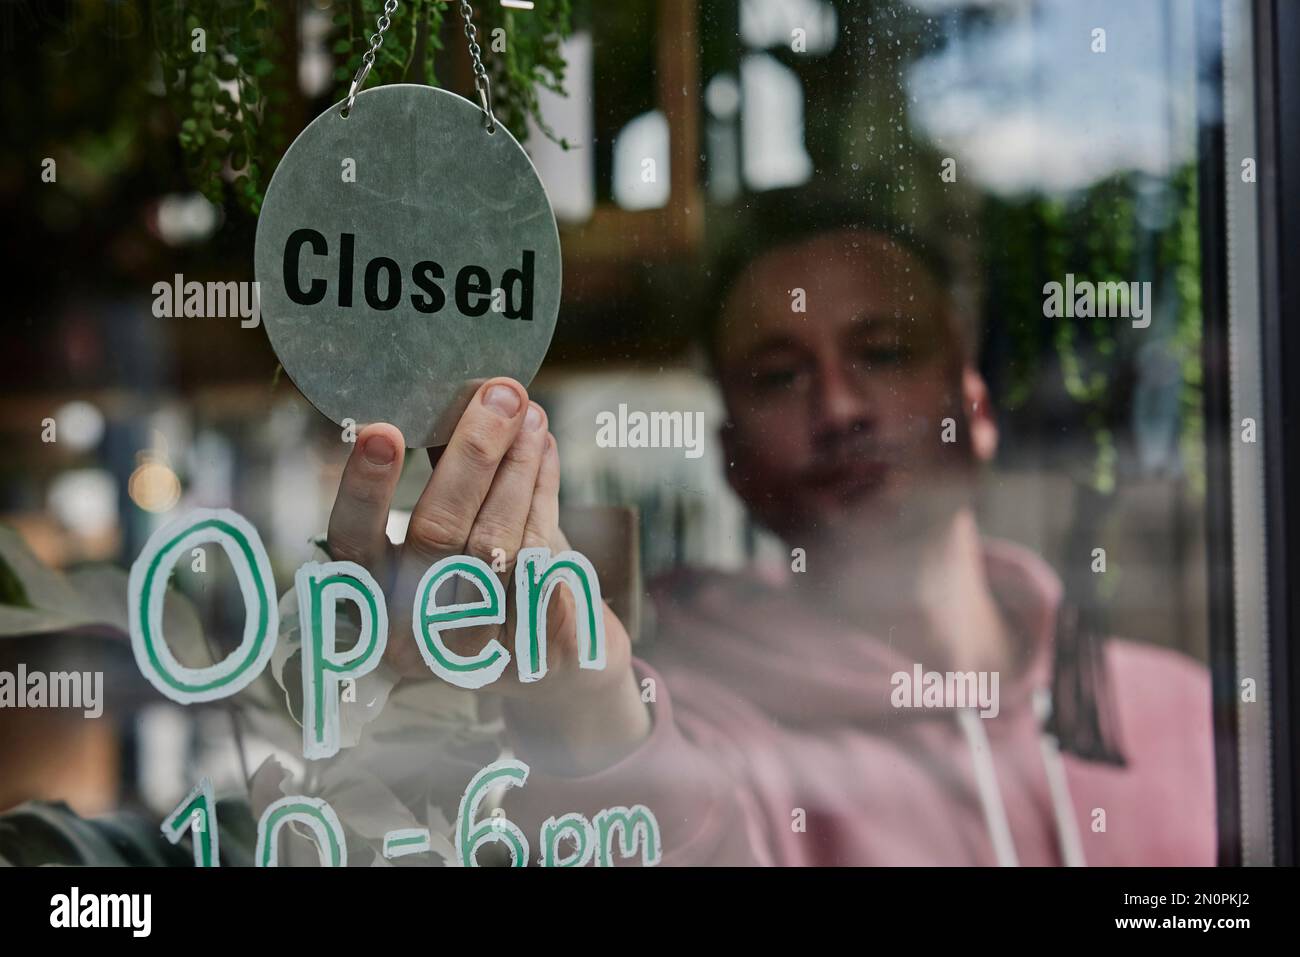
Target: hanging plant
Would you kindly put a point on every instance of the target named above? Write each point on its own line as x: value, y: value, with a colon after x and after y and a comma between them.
x: 1099, y: 235
x: 230, y: 72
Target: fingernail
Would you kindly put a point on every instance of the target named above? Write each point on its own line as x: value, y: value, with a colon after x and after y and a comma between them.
x: 503, y: 400
x: 379, y: 450
x: 533, y: 420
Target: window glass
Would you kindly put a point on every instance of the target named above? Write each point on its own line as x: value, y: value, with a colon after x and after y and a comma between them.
x: 880, y: 407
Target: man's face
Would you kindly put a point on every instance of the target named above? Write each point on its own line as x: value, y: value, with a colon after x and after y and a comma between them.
x: 836, y: 430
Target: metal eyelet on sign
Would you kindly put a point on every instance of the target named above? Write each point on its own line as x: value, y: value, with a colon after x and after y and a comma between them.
x: 481, y: 82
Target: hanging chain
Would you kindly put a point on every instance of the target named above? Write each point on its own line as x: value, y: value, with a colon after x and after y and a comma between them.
x: 481, y: 82
x: 368, y: 58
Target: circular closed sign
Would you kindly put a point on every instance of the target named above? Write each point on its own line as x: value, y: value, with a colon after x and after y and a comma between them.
x: 404, y: 255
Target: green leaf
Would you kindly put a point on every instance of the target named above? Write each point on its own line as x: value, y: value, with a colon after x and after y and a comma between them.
x: 12, y: 592
x: 43, y: 590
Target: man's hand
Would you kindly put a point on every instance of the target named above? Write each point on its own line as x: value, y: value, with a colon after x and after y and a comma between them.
x: 495, y: 486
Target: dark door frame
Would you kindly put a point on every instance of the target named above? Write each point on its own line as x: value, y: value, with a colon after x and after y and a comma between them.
x: 1277, y: 55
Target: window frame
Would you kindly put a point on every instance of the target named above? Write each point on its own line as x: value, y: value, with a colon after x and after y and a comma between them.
x: 1277, y: 55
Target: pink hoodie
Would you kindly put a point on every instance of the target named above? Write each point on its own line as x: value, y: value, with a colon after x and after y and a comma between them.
x: 758, y: 717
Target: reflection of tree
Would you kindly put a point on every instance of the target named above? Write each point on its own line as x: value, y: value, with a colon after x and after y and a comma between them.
x: 859, y: 126
x: 1127, y: 228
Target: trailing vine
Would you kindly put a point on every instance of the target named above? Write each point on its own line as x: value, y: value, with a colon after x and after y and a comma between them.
x: 1113, y: 232
x: 229, y: 71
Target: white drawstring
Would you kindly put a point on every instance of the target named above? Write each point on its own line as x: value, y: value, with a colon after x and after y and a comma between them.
x: 986, y: 782
x: 1067, y: 825
x: 995, y: 811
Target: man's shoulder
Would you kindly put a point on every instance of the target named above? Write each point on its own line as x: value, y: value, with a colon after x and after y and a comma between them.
x: 1166, y: 733
x: 1165, y: 706
x: 1155, y: 674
